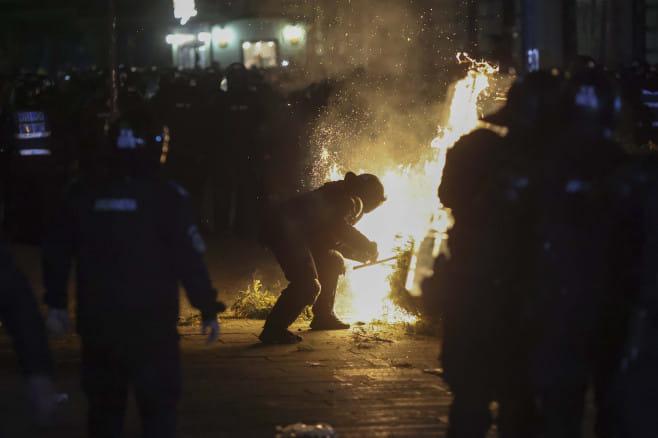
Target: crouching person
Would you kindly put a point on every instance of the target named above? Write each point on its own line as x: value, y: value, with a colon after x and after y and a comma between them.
x: 133, y: 239
x: 309, y: 235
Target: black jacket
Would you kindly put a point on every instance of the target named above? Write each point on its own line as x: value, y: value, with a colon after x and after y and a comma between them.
x: 134, y: 240
x: 323, y: 218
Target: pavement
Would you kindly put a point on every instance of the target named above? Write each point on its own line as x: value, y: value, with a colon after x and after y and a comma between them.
x: 370, y: 381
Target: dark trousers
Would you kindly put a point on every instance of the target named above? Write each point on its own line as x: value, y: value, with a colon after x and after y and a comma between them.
x: 470, y: 416
x: 110, y: 370
x: 561, y: 411
x: 310, y: 271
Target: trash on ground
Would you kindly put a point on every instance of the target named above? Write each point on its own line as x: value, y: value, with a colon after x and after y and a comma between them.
x: 361, y: 335
x: 300, y: 430
x: 434, y: 371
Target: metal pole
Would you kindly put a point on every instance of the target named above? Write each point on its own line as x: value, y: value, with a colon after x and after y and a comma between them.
x: 114, y: 77
x: 378, y: 262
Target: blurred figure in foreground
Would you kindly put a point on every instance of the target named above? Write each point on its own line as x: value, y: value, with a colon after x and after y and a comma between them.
x: 634, y: 400
x: 133, y: 238
x: 575, y: 313
x: 309, y: 236
x: 20, y: 315
x: 481, y: 285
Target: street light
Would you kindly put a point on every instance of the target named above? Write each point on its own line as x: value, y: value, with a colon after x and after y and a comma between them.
x: 184, y: 10
x: 293, y: 34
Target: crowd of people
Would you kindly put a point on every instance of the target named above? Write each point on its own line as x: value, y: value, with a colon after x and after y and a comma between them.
x: 546, y: 287
x: 237, y: 138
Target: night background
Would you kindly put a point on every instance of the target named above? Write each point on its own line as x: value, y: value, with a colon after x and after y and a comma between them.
x: 321, y: 218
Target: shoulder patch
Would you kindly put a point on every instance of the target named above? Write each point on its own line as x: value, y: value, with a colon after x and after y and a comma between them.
x: 179, y: 189
x: 115, y: 204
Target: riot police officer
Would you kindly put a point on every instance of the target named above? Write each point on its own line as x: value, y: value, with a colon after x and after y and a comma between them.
x: 29, y: 167
x: 133, y: 238
x: 633, y: 399
x: 309, y: 235
x: 574, y: 340
x: 481, y: 284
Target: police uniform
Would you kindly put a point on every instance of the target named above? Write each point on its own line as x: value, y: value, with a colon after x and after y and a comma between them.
x: 29, y: 173
x: 133, y: 239
x: 478, y: 288
x: 634, y: 401
x: 574, y: 288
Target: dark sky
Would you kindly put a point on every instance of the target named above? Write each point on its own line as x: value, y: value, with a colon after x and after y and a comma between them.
x: 89, y: 7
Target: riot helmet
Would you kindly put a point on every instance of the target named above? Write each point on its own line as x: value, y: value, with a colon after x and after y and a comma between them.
x: 592, y: 104
x: 532, y: 102
x: 368, y: 188
x: 137, y: 140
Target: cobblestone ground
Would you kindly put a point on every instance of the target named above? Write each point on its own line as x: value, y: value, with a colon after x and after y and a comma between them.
x: 370, y: 381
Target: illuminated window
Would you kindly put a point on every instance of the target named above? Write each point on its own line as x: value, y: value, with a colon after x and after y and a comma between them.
x: 261, y: 54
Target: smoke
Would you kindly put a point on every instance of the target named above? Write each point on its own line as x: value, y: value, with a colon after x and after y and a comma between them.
x: 371, y: 125
x: 392, y: 63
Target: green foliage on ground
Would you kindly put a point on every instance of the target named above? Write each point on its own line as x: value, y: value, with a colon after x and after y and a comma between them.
x: 255, y: 302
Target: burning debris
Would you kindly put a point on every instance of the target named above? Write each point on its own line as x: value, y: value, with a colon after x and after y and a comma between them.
x: 413, y: 217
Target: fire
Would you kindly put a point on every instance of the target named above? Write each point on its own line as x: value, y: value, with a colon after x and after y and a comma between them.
x: 412, y: 210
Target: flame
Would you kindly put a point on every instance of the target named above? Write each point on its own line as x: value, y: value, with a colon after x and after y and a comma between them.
x: 412, y: 209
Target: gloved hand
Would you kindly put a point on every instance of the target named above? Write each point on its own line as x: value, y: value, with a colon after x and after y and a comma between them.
x: 211, y: 327
x: 373, y: 253
x: 57, y: 322
x: 42, y: 398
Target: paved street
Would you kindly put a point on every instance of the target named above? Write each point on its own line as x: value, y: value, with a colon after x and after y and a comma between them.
x: 367, y: 382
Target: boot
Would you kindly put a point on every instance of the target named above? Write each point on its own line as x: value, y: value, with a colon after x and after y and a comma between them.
x: 276, y: 337
x: 329, y: 322
x: 286, y: 310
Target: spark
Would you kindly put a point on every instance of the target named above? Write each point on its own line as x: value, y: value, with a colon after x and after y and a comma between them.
x: 412, y: 209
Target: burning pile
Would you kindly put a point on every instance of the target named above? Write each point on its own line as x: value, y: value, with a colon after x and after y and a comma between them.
x: 412, y: 213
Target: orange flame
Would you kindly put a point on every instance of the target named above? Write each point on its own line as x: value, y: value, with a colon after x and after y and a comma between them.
x: 412, y: 210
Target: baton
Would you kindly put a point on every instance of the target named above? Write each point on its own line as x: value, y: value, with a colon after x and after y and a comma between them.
x: 378, y: 262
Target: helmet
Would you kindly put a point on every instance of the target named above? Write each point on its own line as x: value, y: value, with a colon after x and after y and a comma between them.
x: 136, y: 137
x: 237, y: 77
x: 532, y: 101
x: 591, y: 104
x: 368, y: 188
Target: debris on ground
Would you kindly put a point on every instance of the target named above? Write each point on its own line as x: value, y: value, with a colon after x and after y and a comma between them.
x: 300, y: 430
x: 304, y: 348
x: 434, y: 371
x: 401, y: 364
x: 367, y: 337
x: 315, y: 364
x: 255, y: 302
x: 362, y: 334
x: 189, y: 321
